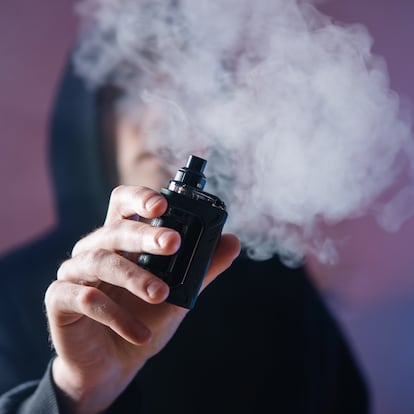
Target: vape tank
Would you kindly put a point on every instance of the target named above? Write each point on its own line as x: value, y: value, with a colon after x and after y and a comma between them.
x: 199, y: 217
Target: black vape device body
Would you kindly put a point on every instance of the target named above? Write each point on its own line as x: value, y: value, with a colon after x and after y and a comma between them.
x: 199, y: 217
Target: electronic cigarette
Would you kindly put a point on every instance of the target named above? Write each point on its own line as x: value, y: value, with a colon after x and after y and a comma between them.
x: 199, y: 217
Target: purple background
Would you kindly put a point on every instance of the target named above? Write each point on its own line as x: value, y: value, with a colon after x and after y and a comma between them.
x: 371, y: 290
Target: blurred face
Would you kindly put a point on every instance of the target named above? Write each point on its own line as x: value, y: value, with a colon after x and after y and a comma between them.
x: 136, y: 165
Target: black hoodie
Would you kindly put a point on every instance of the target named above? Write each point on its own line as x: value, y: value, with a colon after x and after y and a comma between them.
x: 259, y: 339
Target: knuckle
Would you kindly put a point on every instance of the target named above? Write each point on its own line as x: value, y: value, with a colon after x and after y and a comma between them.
x: 88, y: 262
x: 95, y: 255
x: 123, y: 190
x: 83, y: 243
x: 91, y: 303
x: 62, y: 271
x: 115, y: 262
x: 117, y: 191
x: 77, y: 248
x: 129, y: 274
x: 119, y: 264
x: 140, y: 232
x: 50, y: 297
x: 88, y: 297
x: 110, y: 229
x: 147, y: 238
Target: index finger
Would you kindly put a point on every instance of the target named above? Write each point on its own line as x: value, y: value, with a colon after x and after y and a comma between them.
x: 127, y: 201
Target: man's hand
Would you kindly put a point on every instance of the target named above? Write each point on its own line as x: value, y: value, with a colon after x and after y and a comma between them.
x: 107, y: 316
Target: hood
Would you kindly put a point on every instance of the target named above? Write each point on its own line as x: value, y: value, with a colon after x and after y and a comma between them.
x: 81, y: 185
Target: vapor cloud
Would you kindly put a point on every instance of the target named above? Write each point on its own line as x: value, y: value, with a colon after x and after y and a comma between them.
x: 293, y: 111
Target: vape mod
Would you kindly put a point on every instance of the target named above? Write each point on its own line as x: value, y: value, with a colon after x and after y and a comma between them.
x: 199, y: 218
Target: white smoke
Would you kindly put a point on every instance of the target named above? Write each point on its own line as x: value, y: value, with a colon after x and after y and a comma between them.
x: 293, y: 111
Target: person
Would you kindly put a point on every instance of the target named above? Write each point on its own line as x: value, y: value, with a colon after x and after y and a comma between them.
x: 259, y: 338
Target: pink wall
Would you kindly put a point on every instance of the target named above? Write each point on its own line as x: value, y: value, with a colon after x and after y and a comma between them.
x: 34, y: 40
x: 371, y: 291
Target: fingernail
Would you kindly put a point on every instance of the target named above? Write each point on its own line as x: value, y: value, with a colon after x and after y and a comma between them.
x: 152, y: 201
x: 164, y: 238
x: 156, y: 289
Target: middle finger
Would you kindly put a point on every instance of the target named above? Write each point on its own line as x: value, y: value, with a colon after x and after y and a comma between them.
x: 131, y: 236
x: 95, y: 266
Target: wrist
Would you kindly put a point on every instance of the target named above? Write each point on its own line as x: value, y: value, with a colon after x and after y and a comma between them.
x: 80, y: 392
x: 75, y: 394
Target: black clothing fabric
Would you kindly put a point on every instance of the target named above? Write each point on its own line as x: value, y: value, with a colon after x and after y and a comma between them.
x: 259, y: 339
x: 31, y: 397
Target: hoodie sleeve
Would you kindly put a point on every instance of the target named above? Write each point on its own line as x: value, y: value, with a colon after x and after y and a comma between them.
x: 35, y: 397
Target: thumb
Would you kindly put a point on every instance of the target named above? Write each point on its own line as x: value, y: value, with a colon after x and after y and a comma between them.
x: 228, y: 248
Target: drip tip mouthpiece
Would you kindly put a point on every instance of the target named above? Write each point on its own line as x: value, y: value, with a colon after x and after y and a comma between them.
x: 193, y: 173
